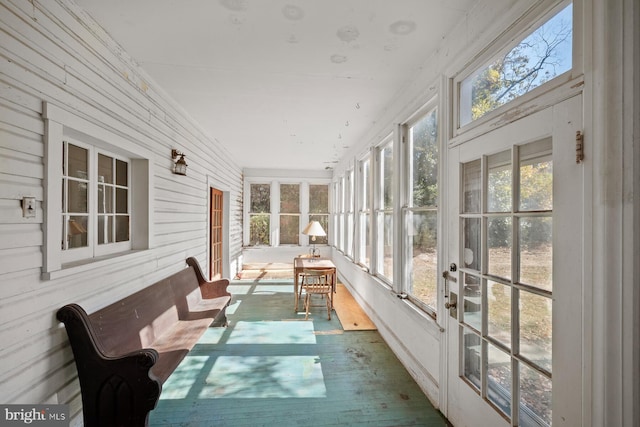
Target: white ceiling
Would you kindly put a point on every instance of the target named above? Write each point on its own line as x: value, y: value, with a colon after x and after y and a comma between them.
x: 281, y: 83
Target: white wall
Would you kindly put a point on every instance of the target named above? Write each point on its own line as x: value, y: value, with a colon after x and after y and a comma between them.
x: 51, y: 51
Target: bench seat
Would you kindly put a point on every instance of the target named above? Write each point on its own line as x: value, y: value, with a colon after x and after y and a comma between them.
x: 125, y: 351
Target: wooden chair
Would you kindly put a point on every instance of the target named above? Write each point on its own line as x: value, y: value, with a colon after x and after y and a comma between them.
x: 317, y: 282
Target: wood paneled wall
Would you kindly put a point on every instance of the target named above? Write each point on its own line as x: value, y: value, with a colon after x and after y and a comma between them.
x: 52, y: 52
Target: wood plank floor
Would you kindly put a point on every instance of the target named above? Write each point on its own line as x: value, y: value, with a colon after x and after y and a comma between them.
x: 269, y: 367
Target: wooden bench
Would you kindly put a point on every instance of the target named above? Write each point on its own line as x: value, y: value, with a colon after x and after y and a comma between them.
x: 125, y: 352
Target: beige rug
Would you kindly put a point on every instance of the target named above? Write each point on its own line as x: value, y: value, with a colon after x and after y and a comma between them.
x: 351, y: 315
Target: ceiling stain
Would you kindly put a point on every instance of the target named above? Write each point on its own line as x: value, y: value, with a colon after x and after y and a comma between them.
x: 236, y: 5
x: 237, y: 20
x: 292, y: 12
x: 402, y: 28
x: 348, y: 33
x: 338, y: 59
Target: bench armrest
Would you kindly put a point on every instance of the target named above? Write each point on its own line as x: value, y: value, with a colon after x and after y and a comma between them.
x: 209, y: 289
x: 116, y: 389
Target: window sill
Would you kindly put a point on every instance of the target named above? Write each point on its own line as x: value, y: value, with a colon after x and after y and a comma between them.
x: 78, y: 267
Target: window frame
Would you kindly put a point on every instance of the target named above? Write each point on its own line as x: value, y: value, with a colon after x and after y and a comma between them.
x: 364, y: 186
x: 532, y: 19
x: 276, y: 213
x: 94, y: 248
x: 380, y: 211
x: 61, y: 125
x: 408, y: 208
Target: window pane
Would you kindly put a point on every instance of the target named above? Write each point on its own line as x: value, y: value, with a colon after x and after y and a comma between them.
x: 77, y: 197
x: 499, y: 312
x: 77, y: 236
x: 105, y: 229
x: 387, y: 243
x: 324, y: 222
x: 471, y: 255
x: 105, y: 169
x: 472, y: 185
x: 78, y: 162
x: 259, y: 230
x: 319, y: 199
x: 105, y: 199
x: 289, y: 229
x: 366, y: 185
x: 543, y: 55
x: 122, y: 173
x: 471, y: 357
x: 499, y: 378
x: 122, y: 200
x: 365, y: 236
x: 499, y: 247
x: 387, y: 177
x: 260, y: 198
x: 424, y: 153
x: 290, y: 198
x: 472, y: 294
x: 536, y: 184
x: 535, y: 398
x: 423, y: 238
x: 536, y: 252
x: 499, y: 182
x: 535, y: 329
x: 122, y: 228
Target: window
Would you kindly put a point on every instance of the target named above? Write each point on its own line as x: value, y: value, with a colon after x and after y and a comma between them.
x: 384, y: 211
x: 341, y: 213
x: 538, y: 58
x: 91, y: 175
x: 260, y: 215
x: 349, y: 213
x: 289, y: 214
x: 319, y: 209
x: 364, y: 213
x: 276, y: 212
x: 95, y: 205
x: 421, y: 215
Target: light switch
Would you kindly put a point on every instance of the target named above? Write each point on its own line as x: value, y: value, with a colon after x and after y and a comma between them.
x: 29, y: 207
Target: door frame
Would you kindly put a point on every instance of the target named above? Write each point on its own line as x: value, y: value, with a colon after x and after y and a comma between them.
x: 212, y: 183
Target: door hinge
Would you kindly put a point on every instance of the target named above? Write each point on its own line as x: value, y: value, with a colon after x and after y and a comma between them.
x: 579, y: 147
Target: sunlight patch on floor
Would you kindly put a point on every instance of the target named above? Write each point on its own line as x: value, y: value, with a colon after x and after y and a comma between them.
x: 265, y: 377
x: 184, y: 378
x: 269, y: 332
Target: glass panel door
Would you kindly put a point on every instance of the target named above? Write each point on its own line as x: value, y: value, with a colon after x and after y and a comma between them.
x: 519, y: 204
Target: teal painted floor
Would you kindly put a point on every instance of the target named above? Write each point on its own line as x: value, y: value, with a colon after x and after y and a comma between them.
x: 269, y: 367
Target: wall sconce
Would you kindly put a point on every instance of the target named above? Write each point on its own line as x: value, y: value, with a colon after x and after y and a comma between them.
x: 180, y: 167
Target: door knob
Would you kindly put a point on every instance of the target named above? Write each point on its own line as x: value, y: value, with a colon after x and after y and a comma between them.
x: 449, y: 305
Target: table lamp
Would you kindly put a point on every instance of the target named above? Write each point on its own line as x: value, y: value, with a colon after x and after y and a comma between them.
x: 314, y: 229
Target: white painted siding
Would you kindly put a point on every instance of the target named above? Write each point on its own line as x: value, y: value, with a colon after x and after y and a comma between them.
x: 51, y: 51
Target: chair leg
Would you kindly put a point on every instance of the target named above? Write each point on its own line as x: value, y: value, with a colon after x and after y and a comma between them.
x: 307, y: 303
x: 328, y: 307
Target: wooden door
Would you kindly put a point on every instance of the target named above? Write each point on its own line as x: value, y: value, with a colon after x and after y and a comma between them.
x: 215, y: 233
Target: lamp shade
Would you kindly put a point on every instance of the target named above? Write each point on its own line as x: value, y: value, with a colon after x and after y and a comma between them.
x: 314, y: 229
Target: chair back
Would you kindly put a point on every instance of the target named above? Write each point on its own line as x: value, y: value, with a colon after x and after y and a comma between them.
x: 317, y: 280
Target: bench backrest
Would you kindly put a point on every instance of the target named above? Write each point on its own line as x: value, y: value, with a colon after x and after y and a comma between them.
x: 139, y: 319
